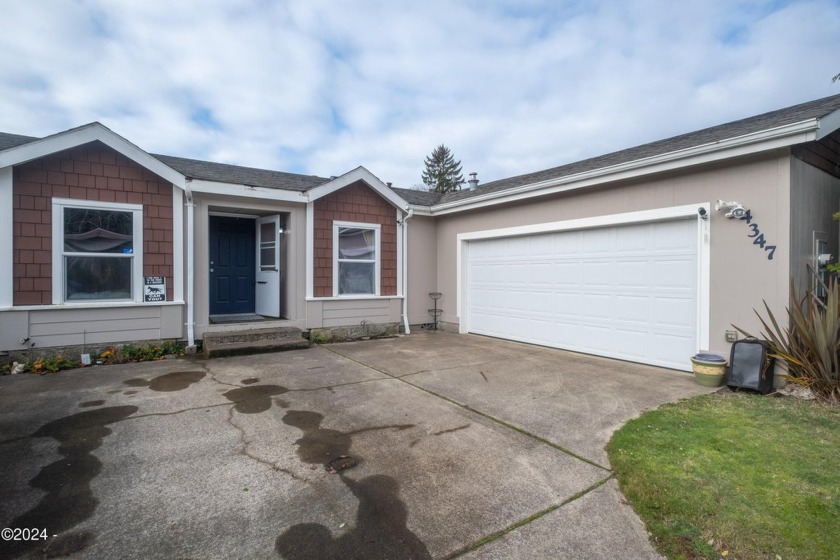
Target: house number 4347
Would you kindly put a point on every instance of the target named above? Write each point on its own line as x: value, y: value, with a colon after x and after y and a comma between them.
x: 758, y: 237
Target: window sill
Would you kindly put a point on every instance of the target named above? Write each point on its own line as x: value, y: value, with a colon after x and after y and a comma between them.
x: 350, y: 298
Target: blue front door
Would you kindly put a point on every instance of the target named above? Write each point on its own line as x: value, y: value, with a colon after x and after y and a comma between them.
x: 232, y: 265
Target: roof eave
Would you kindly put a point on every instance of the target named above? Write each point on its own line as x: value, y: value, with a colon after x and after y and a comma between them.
x: 769, y: 139
x: 237, y: 189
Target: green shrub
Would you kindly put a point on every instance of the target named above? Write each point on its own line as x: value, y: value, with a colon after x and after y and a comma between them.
x: 141, y: 353
x: 811, y: 342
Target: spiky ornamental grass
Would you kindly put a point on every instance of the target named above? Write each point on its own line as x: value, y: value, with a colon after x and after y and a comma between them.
x: 811, y: 341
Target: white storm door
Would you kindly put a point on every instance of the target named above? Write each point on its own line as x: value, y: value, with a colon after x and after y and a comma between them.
x: 268, y: 267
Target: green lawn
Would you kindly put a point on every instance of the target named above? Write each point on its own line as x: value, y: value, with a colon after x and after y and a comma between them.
x: 757, y: 477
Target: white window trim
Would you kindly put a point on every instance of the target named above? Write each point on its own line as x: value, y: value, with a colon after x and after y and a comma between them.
x: 58, y: 206
x: 378, y: 261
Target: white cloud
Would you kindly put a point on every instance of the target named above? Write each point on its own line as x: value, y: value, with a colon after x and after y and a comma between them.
x: 321, y: 87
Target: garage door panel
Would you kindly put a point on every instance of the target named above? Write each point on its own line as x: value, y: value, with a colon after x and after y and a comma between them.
x: 540, y: 245
x: 627, y: 291
x: 566, y: 334
x: 669, y: 236
x: 541, y: 302
x: 567, y: 243
x: 597, y: 306
x: 670, y: 348
x: 541, y: 274
x: 517, y: 302
x: 595, y: 338
x: 675, y: 274
x: 632, y: 274
x: 567, y: 304
x: 632, y: 309
x: 674, y: 312
x: 598, y: 241
x: 567, y: 274
x: 634, y: 242
x: 598, y: 273
x: 630, y: 344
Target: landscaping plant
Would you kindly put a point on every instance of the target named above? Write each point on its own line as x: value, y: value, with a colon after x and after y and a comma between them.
x: 811, y: 341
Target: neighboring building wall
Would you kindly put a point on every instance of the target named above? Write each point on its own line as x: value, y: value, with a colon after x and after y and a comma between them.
x: 90, y: 172
x: 354, y: 203
x: 741, y: 274
x: 815, y: 196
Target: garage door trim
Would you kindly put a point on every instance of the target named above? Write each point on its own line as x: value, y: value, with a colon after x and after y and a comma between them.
x: 627, y: 218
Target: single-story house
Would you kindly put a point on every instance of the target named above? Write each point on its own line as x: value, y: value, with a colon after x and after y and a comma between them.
x: 648, y: 254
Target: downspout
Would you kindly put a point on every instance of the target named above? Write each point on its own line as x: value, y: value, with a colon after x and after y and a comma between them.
x: 190, y: 265
x: 405, y: 269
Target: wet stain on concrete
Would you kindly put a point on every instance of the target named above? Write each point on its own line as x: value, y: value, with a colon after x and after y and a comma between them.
x: 250, y: 380
x: 253, y: 399
x: 319, y: 446
x: 131, y: 393
x: 380, y: 531
x: 169, y: 382
x: 88, y: 404
x: 69, y: 499
x: 341, y: 463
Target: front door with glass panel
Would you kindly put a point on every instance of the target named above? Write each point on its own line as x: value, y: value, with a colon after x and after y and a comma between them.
x: 268, y: 266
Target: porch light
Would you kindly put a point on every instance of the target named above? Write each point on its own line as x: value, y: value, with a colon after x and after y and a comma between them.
x: 733, y: 209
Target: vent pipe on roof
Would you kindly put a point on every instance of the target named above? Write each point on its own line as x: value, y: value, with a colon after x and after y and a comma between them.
x: 473, y: 182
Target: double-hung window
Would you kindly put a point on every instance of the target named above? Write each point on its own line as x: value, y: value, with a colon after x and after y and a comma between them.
x: 356, y: 258
x: 97, y: 251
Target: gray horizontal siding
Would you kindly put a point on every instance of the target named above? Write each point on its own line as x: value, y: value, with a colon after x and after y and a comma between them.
x: 351, y: 313
x: 69, y: 327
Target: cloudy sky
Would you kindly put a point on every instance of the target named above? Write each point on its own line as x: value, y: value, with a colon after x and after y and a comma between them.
x: 320, y: 87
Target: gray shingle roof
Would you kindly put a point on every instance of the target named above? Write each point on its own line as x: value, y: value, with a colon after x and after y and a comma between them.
x: 418, y: 198
x: 239, y: 175
x: 797, y: 113
x: 11, y: 140
x: 235, y: 174
x: 210, y: 171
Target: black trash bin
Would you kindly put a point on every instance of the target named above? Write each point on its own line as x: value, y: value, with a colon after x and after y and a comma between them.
x: 751, y: 366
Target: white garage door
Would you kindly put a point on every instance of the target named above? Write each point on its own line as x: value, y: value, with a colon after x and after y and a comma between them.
x: 627, y: 292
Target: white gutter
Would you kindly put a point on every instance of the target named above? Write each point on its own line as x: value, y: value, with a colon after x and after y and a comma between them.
x: 405, y: 269
x: 190, y: 265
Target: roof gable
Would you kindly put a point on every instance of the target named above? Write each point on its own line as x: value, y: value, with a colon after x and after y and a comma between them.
x: 358, y: 174
x: 37, y: 148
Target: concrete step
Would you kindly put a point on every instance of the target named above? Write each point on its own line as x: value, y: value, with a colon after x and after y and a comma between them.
x: 253, y: 341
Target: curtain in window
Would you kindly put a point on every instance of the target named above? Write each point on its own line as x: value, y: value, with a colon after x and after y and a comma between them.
x: 98, y: 250
x: 356, y: 244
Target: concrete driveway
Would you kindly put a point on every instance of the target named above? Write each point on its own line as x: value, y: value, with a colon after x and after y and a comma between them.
x: 433, y: 445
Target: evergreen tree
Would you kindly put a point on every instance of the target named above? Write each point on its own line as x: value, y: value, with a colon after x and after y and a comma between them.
x: 442, y: 173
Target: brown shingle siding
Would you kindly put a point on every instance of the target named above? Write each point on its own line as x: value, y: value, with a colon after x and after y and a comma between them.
x: 90, y: 172
x: 354, y: 203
